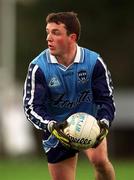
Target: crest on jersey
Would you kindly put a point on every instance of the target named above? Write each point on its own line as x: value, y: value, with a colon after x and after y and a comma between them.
x: 82, y: 76
x: 54, y: 82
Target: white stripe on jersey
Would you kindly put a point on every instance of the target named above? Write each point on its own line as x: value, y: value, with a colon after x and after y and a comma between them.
x: 24, y: 96
x: 107, y: 77
x: 25, y: 91
x: 33, y: 84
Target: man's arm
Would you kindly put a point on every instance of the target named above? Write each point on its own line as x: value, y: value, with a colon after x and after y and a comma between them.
x: 103, y: 97
x: 35, y: 98
x: 103, y: 91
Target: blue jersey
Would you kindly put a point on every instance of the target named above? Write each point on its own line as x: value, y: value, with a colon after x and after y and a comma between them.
x: 54, y: 92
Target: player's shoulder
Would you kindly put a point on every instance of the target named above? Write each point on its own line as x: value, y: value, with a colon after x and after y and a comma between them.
x: 90, y: 52
x: 40, y: 60
x: 40, y: 57
x: 90, y: 56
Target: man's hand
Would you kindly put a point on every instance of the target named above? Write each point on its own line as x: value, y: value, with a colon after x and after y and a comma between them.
x: 104, y: 127
x: 56, y: 128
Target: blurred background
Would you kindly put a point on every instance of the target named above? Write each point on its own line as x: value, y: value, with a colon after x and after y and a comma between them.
x: 107, y: 28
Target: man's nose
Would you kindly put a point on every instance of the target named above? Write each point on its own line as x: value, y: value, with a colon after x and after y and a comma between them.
x: 49, y: 37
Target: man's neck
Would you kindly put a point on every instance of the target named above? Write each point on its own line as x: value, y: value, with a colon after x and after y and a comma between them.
x: 68, y: 58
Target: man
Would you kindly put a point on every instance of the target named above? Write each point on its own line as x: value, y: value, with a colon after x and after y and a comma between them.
x: 62, y: 80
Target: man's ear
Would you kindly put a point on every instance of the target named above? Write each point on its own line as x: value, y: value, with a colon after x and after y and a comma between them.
x: 73, y: 37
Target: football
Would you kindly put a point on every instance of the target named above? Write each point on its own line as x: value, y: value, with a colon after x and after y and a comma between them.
x: 82, y: 130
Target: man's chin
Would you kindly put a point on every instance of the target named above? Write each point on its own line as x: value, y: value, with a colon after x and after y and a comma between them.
x: 52, y: 52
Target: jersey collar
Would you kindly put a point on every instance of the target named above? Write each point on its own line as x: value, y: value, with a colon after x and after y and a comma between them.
x: 78, y: 58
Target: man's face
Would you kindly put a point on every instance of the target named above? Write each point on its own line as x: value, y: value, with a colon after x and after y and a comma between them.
x: 57, y: 38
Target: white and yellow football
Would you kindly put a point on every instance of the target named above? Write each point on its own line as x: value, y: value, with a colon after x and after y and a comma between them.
x: 82, y: 130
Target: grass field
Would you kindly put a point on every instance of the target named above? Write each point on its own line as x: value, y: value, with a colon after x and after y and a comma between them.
x: 36, y: 169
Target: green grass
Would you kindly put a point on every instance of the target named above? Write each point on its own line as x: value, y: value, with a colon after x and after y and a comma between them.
x: 36, y: 169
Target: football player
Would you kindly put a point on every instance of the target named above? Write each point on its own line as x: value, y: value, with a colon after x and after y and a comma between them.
x: 62, y: 80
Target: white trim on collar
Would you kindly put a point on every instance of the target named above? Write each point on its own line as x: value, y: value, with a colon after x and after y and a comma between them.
x: 77, y: 58
x: 78, y: 55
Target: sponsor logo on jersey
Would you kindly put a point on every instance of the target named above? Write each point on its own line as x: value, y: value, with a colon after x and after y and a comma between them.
x: 62, y: 102
x: 54, y: 82
x: 82, y: 75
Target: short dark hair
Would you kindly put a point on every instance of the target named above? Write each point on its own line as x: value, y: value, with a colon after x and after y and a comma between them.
x: 70, y: 19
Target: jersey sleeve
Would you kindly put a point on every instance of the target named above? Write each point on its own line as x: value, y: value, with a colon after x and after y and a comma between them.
x: 35, y: 98
x: 103, y: 91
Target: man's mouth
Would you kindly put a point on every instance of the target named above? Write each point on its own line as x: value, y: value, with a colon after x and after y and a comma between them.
x: 50, y: 46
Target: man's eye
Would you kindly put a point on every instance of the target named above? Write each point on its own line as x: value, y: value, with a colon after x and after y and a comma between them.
x: 56, y: 33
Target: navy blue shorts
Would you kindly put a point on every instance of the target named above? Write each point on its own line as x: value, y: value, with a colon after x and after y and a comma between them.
x: 60, y: 153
